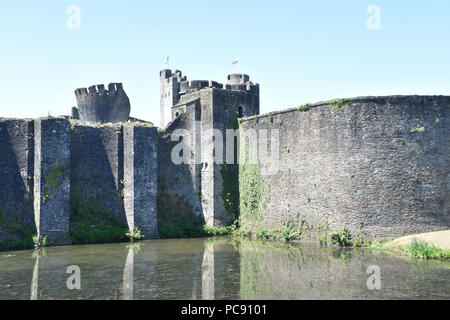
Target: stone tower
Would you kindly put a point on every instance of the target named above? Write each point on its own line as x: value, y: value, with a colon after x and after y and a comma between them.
x: 202, y: 107
x: 97, y: 105
x: 170, y: 88
x: 173, y: 85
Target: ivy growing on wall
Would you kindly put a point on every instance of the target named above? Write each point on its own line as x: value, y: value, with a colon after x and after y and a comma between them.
x: 53, y: 180
x: 250, y: 189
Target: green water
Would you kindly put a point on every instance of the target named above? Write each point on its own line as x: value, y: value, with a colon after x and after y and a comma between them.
x: 223, y: 268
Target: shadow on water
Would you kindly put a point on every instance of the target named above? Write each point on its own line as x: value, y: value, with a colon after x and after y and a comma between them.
x: 219, y: 268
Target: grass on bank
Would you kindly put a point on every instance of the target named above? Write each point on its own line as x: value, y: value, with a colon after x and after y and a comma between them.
x: 423, y: 250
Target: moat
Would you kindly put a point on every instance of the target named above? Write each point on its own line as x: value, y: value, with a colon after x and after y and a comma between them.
x: 219, y: 268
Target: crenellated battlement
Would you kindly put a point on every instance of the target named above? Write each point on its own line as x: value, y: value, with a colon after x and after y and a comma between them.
x: 241, y: 82
x: 193, y: 85
x: 168, y: 76
x: 174, y: 85
x: 98, y: 105
x: 237, y: 78
x: 99, y: 89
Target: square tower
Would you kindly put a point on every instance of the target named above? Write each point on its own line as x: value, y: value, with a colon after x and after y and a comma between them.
x: 169, y: 94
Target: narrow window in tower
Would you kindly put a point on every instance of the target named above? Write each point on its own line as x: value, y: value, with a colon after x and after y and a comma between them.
x: 239, y: 113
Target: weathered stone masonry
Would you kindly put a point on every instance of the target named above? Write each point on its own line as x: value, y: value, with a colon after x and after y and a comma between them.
x: 16, y: 179
x: 75, y: 161
x: 52, y: 179
x: 375, y: 165
x: 199, y: 107
x: 140, y: 177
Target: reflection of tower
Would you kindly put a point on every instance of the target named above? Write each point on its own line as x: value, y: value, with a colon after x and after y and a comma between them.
x: 128, y: 277
x: 220, y: 270
x: 208, y: 272
x: 34, y: 281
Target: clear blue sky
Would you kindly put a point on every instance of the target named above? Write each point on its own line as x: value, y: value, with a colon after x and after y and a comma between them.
x: 298, y: 51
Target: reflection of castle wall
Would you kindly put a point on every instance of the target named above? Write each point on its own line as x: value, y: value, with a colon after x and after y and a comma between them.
x: 101, y: 272
x: 35, y: 280
x: 217, y: 269
x: 128, y: 276
x: 283, y: 271
x: 220, y: 270
x: 208, y: 273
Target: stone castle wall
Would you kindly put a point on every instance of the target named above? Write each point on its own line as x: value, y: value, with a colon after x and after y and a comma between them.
x: 96, y: 166
x: 376, y: 165
x: 16, y: 180
x: 49, y: 165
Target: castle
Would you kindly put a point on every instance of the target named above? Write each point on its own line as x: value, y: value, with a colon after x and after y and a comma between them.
x: 375, y: 165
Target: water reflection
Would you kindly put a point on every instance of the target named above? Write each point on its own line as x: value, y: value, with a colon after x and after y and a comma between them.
x: 208, y: 272
x: 221, y: 268
x: 128, y: 278
x: 34, y: 281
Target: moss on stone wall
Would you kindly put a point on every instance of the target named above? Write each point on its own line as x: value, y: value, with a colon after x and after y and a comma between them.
x: 229, y: 194
x: 15, y: 234
x: 338, y: 105
x: 53, y: 181
x: 90, y: 223
x: 176, y: 218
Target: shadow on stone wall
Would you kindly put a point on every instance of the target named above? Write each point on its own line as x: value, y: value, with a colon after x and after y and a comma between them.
x: 97, y: 183
x: 16, y: 184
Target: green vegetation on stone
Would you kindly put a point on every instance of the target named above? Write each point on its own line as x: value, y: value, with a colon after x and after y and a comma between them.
x: 218, y: 231
x: 229, y: 190
x: 135, y: 234
x: 341, y: 238
x: 251, y: 191
x: 176, y: 218
x: 53, y: 181
x: 90, y: 223
x: 418, y: 128
x: 304, y: 107
x: 15, y: 234
x: 40, y: 242
x: 338, y: 105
